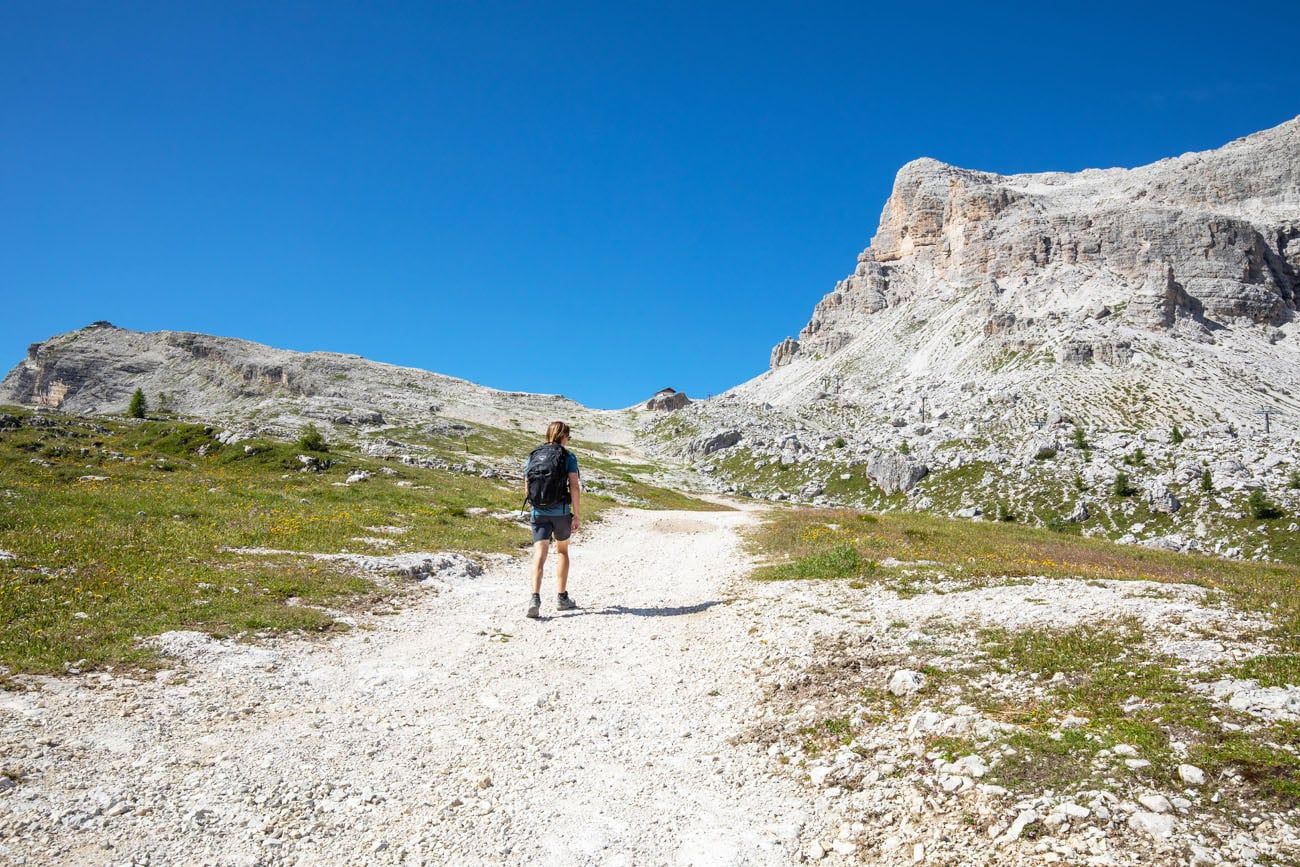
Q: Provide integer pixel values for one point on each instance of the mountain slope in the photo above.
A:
(96, 369)
(1074, 290)
(1089, 350)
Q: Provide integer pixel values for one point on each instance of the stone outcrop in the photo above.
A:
(667, 400)
(1212, 238)
(895, 473)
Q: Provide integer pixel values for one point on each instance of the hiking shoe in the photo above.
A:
(564, 603)
(534, 607)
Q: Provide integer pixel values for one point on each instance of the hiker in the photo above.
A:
(553, 487)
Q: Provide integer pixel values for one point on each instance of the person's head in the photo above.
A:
(558, 432)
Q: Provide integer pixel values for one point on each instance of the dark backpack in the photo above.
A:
(547, 475)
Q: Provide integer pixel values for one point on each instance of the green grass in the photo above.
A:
(826, 734)
(99, 563)
(841, 561)
(996, 550)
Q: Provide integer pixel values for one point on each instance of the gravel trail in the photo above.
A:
(453, 732)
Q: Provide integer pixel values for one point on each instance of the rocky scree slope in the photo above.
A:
(1046, 327)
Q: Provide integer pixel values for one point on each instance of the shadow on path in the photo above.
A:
(648, 612)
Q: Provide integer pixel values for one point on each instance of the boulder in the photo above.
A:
(895, 473)
(1161, 499)
(1038, 450)
(905, 682)
(667, 400)
(710, 443)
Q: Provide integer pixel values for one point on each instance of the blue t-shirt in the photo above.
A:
(563, 508)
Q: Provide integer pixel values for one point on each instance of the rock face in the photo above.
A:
(1008, 345)
(96, 369)
(973, 272)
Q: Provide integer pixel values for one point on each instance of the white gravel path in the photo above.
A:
(455, 732)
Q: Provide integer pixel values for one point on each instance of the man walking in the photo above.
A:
(553, 487)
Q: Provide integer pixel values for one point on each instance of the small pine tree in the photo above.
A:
(1294, 482)
(138, 405)
(839, 443)
(1176, 436)
(1122, 486)
(904, 448)
(1080, 439)
(1004, 514)
(1261, 508)
(312, 440)
(1207, 481)
(1137, 458)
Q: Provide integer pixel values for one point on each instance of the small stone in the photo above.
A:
(819, 775)
(1161, 827)
(844, 847)
(904, 682)
(918, 853)
(1191, 775)
(1124, 750)
(1074, 811)
(1017, 828)
(1136, 764)
(1155, 803)
(815, 851)
(971, 766)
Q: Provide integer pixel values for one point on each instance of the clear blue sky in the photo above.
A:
(595, 199)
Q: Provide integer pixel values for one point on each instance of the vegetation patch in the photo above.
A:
(120, 529)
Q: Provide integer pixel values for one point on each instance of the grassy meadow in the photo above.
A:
(118, 529)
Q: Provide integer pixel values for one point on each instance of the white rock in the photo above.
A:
(1018, 826)
(1124, 750)
(1136, 764)
(818, 775)
(844, 847)
(815, 851)
(971, 766)
(951, 782)
(1156, 825)
(1191, 775)
(905, 682)
(1155, 803)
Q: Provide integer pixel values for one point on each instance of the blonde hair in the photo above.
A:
(557, 431)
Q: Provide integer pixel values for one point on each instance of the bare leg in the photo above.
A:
(561, 566)
(539, 560)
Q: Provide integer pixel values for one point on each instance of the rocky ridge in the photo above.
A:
(251, 386)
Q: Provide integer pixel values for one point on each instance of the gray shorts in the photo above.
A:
(544, 526)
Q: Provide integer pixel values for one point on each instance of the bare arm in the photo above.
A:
(575, 493)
